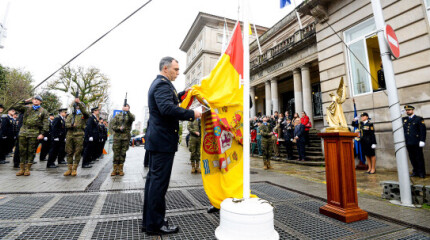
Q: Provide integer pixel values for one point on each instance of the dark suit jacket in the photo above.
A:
(299, 131)
(7, 127)
(92, 129)
(415, 130)
(58, 129)
(163, 125)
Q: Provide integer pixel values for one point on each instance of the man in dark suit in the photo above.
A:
(46, 141)
(58, 137)
(161, 144)
(300, 139)
(6, 134)
(415, 137)
(92, 138)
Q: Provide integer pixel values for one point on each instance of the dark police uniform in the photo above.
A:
(415, 132)
(91, 131)
(161, 144)
(58, 143)
(367, 137)
(288, 135)
(6, 137)
(46, 144)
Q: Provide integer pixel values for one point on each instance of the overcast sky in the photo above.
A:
(44, 34)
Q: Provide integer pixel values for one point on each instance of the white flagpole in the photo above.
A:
(246, 132)
(297, 14)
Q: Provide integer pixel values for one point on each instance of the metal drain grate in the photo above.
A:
(120, 203)
(5, 231)
(274, 193)
(65, 231)
(193, 226)
(200, 195)
(312, 227)
(310, 206)
(122, 229)
(101, 177)
(72, 206)
(415, 237)
(284, 235)
(177, 200)
(22, 207)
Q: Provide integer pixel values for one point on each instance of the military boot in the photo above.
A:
(74, 170)
(268, 165)
(69, 171)
(198, 168)
(265, 165)
(21, 169)
(193, 167)
(114, 170)
(27, 169)
(121, 170)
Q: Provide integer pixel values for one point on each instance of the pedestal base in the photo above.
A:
(344, 215)
(249, 219)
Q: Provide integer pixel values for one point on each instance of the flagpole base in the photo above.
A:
(249, 219)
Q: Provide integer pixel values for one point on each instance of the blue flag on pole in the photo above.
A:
(285, 3)
(357, 144)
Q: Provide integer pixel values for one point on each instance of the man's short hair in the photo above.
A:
(166, 61)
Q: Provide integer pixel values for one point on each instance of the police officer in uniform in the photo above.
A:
(415, 137)
(92, 137)
(101, 145)
(161, 144)
(194, 144)
(58, 137)
(75, 124)
(288, 137)
(6, 134)
(368, 140)
(34, 128)
(46, 141)
(121, 126)
(266, 142)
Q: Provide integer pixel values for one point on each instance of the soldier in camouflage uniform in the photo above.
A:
(266, 142)
(195, 130)
(75, 125)
(121, 126)
(35, 126)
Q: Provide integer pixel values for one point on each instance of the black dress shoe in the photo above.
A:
(52, 166)
(42, 160)
(62, 162)
(6, 161)
(413, 175)
(34, 162)
(422, 176)
(164, 230)
(2, 162)
(87, 166)
(15, 166)
(213, 209)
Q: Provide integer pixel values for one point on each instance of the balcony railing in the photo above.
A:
(283, 46)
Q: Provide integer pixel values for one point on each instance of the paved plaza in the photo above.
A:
(94, 205)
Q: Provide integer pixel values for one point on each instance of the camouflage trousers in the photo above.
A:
(74, 148)
(120, 148)
(194, 146)
(27, 148)
(267, 147)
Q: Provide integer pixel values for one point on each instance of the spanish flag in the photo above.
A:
(222, 127)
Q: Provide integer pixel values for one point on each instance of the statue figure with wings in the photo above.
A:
(335, 116)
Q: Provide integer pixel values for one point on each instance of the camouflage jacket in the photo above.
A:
(125, 121)
(35, 122)
(193, 127)
(80, 121)
(265, 131)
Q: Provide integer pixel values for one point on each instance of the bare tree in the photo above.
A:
(93, 85)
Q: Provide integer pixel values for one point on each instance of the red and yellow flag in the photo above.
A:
(222, 127)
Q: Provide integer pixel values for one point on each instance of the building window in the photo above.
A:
(427, 5)
(364, 58)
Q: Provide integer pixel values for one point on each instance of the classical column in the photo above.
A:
(268, 99)
(307, 92)
(297, 91)
(252, 94)
(274, 90)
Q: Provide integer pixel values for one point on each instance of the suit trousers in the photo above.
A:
(416, 157)
(89, 152)
(46, 148)
(301, 149)
(56, 149)
(157, 182)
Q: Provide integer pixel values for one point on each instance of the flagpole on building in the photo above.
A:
(246, 131)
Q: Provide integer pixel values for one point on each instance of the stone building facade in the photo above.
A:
(347, 47)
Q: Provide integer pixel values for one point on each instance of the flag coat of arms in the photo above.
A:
(222, 127)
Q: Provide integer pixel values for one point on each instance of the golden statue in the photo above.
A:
(335, 116)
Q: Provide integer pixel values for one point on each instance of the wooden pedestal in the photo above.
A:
(342, 202)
